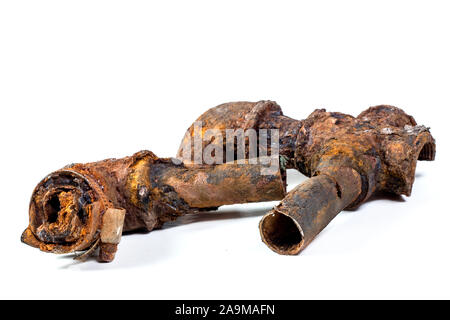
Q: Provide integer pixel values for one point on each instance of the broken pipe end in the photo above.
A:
(281, 233)
(308, 209)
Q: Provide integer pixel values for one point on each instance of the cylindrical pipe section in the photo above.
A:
(68, 208)
(308, 209)
(213, 186)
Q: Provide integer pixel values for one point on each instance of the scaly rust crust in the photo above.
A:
(67, 208)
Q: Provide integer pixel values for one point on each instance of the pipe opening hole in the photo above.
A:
(53, 206)
(62, 223)
(427, 152)
(281, 233)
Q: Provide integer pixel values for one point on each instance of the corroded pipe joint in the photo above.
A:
(383, 143)
(348, 159)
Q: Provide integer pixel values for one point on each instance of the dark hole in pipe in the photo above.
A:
(281, 233)
(427, 152)
(53, 207)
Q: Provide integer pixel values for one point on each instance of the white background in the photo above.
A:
(115, 77)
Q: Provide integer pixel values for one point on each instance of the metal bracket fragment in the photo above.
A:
(112, 226)
(111, 233)
(86, 254)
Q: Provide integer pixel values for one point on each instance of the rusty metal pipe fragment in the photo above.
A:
(86, 205)
(308, 209)
(348, 159)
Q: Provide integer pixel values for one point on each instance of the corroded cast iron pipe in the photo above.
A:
(308, 209)
(347, 158)
(85, 205)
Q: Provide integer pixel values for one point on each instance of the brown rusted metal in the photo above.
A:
(83, 205)
(308, 209)
(244, 115)
(347, 158)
